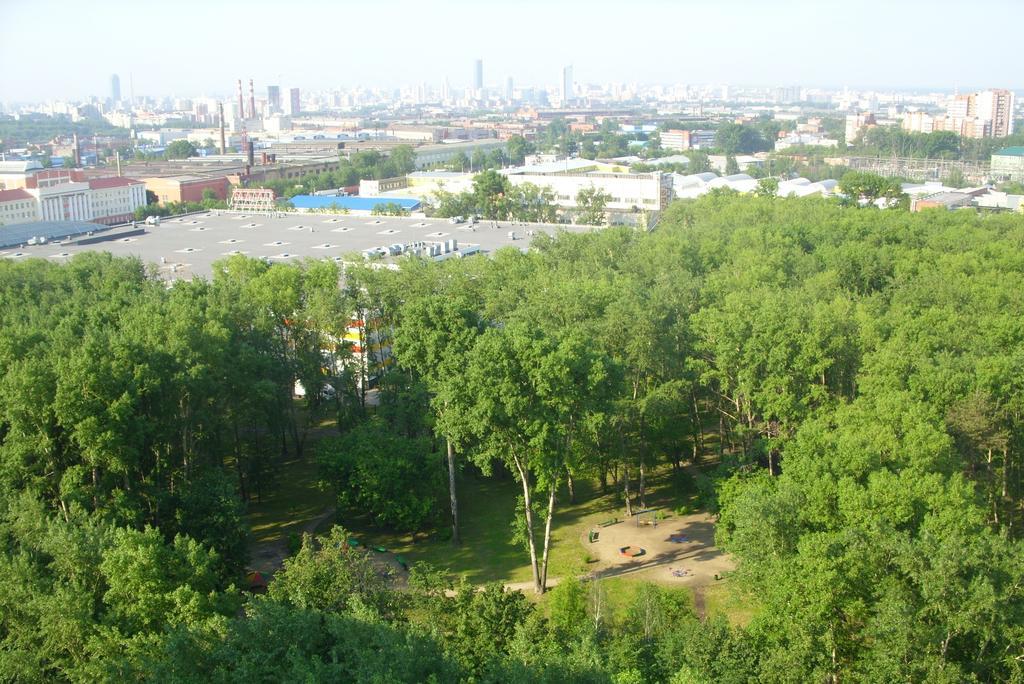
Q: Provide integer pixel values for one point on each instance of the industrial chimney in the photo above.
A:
(78, 151)
(220, 113)
(252, 101)
(251, 153)
(241, 104)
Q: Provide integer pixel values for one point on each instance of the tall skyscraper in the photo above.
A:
(478, 75)
(115, 88)
(508, 89)
(274, 98)
(567, 85)
(293, 100)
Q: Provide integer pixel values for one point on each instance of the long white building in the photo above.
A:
(630, 193)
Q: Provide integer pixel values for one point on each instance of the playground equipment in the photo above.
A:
(678, 538)
(648, 516)
(631, 551)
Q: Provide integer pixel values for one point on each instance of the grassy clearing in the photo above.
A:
(486, 510)
(293, 498)
(728, 600)
(290, 503)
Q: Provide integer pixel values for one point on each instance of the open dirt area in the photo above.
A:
(679, 550)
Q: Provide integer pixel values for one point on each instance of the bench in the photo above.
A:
(593, 536)
(607, 523)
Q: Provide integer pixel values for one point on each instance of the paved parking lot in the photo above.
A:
(189, 245)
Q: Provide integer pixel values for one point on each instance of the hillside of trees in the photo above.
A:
(849, 382)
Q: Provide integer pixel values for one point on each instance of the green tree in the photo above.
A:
(331, 576)
(590, 204)
(734, 138)
(767, 187)
(180, 149)
(404, 159)
(533, 204)
(868, 187)
(526, 398)
(518, 148)
(389, 209)
(490, 193)
(433, 339)
(393, 478)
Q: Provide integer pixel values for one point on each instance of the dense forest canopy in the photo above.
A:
(862, 371)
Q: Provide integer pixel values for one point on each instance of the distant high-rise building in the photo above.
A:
(567, 85)
(274, 98)
(115, 88)
(478, 75)
(995, 106)
(446, 91)
(786, 94)
(293, 99)
(988, 114)
(508, 89)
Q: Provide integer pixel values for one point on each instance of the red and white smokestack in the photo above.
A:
(252, 101)
(241, 103)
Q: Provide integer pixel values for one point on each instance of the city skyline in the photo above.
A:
(744, 44)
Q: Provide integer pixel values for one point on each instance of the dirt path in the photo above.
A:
(268, 557)
(699, 606)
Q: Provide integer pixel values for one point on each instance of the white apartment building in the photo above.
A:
(114, 200)
(995, 106)
(63, 202)
(17, 206)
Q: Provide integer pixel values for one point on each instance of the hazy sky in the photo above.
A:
(69, 48)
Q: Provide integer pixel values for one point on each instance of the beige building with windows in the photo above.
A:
(630, 193)
(17, 206)
(68, 195)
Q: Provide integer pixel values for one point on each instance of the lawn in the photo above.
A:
(292, 499)
(486, 508)
(289, 504)
(728, 600)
